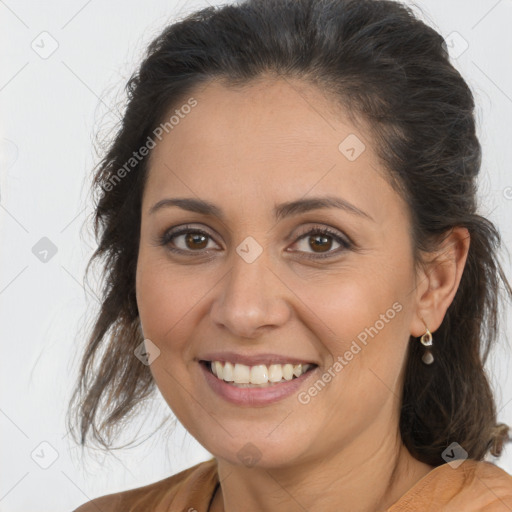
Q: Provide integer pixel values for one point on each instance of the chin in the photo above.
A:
(260, 452)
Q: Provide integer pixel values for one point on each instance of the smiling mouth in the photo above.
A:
(243, 376)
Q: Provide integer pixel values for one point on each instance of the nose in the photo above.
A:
(251, 299)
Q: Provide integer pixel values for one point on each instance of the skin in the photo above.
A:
(245, 150)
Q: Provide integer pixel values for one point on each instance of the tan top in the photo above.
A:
(471, 487)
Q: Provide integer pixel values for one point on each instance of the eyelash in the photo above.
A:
(345, 243)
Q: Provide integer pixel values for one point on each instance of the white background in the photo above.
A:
(51, 110)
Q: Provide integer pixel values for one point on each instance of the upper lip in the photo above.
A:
(253, 360)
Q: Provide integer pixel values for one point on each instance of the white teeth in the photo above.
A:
(288, 371)
(218, 369)
(259, 374)
(241, 374)
(275, 372)
(228, 372)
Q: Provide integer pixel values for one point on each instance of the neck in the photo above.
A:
(370, 475)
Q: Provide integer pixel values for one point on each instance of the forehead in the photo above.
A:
(281, 114)
(279, 136)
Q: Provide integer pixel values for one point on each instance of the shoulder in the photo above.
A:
(472, 486)
(194, 483)
(493, 484)
(483, 475)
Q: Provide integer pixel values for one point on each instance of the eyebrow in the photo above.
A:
(280, 211)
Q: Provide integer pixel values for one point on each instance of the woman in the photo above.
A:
(293, 256)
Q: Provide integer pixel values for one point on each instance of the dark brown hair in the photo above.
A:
(385, 67)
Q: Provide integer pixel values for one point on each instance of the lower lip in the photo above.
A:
(254, 396)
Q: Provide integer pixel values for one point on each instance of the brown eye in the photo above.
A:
(196, 240)
(186, 240)
(320, 242)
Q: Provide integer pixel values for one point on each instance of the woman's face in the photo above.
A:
(259, 288)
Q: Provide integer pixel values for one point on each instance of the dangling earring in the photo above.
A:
(426, 340)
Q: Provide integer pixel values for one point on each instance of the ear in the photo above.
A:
(438, 281)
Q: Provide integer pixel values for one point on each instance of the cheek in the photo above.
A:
(166, 301)
(369, 323)
(363, 317)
